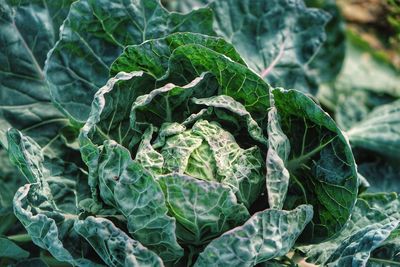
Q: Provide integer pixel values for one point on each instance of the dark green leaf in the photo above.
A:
(28, 30)
(114, 246)
(48, 206)
(9, 249)
(321, 164)
(374, 218)
(95, 33)
(266, 235)
(379, 131)
(203, 209)
(128, 187)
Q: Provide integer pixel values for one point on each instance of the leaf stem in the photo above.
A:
(389, 262)
(21, 238)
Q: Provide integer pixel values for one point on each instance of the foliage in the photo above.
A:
(137, 136)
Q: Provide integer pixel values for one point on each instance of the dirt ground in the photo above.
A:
(377, 22)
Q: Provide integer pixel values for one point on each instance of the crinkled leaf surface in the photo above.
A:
(266, 235)
(374, 219)
(114, 246)
(276, 38)
(180, 58)
(95, 33)
(203, 209)
(277, 176)
(321, 165)
(127, 186)
(48, 205)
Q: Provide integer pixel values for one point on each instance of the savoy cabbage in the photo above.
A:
(193, 134)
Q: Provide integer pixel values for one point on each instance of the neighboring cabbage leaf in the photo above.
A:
(379, 131)
(10, 250)
(277, 38)
(321, 164)
(266, 235)
(373, 226)
(376, 168)
(328, 61)
(28, 30)
(95, 33)
(365, 82)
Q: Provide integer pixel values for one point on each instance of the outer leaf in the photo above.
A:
(374, 218)
(48, 206)
(128, 187)
(329, 59)
(143, 57)
(114, 246)
(203, 209)
(379, 131)
(378, 168)
(276, 38)
(321, 165)
(277, 177)
(28, 29)
(94, 34)
(266, 235)
(49, 228)
(9, 249)
(365, 79)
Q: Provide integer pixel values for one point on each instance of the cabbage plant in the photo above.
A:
(179, 145)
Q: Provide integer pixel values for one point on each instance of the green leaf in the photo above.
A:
(185, 6)
(241, 169)
(28, 30)
(276, 38)
(374, 218)
(365, 79)
(143, 57)
(377, 168)
(379, 131)
(181, 58)
(329, 60)
(266, 235)
(93, 36)
(9, 249)
(228, 103)
(132, 190)
(203, 209)
(277, 177)
(48, 206)
(321, 164)
(114, 246)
